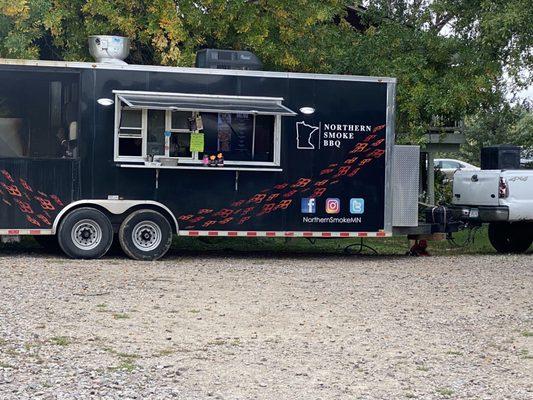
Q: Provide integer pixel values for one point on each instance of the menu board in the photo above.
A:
(197, 142)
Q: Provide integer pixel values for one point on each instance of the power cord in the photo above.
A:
(470, 239)
(348, 249)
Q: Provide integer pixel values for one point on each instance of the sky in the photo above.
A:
(527, 93)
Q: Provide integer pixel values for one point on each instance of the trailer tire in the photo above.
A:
(85, 233)
(508, 237)
(145, 235)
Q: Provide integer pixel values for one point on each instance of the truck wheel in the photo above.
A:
(145, 235)
(85, 233)
(510, 238)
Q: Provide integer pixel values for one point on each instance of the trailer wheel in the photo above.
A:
(145, 235)
(85, 233)
(510, 238)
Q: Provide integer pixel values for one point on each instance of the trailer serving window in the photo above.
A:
(246, 130)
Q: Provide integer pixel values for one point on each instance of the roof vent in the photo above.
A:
(227, 59)
(109, 49)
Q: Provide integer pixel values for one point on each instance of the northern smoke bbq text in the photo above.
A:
(334, 134)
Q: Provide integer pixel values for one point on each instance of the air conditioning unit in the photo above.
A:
(500, 157)
(228, 59)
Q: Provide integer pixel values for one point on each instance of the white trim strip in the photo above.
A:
(114, 207)
(201, 168)
(11, 232)
(283, 234)
(208, 103)
(141, 93)
(198, 71)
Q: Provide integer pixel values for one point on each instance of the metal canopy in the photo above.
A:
(204, 103)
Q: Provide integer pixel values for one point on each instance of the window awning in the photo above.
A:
(204, 103)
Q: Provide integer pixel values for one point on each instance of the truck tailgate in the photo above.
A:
(478, 188)
(520, 195)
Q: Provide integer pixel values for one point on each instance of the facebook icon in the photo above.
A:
(308, 205)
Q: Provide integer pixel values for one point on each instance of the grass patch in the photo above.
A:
(454, 353)
(127, 361)
(446, 392)
(524, 354)
(3, 342)
(164, 353)
(217, 342)
(422, 368)
(120, 316)
(121, 354)
(194, 311)
(128, 356)
(270, 246)
(126, 365)
(60, 340)
(385, 246)
(527, 334)
(6, 365)
(410, 396)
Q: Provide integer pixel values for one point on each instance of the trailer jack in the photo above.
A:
(419, 248)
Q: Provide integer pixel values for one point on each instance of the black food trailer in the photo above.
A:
(90, 152)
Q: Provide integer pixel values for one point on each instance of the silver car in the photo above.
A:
(448, 166)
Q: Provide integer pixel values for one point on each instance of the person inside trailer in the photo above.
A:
(62, 143)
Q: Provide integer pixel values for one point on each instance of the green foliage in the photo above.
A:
(443, 188)
(449, 55)
(501, 124)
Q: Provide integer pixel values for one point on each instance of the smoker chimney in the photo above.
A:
(109, 49)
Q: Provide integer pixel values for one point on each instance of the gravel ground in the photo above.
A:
(267, 328)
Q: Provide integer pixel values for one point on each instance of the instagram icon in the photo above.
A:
(333, 206)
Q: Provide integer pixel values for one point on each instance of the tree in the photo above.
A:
(449, 55)
(502, 124)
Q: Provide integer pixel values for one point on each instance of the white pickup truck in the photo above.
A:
(504, 199)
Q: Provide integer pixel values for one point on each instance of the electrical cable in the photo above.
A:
(470, 239)
(361, 245)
